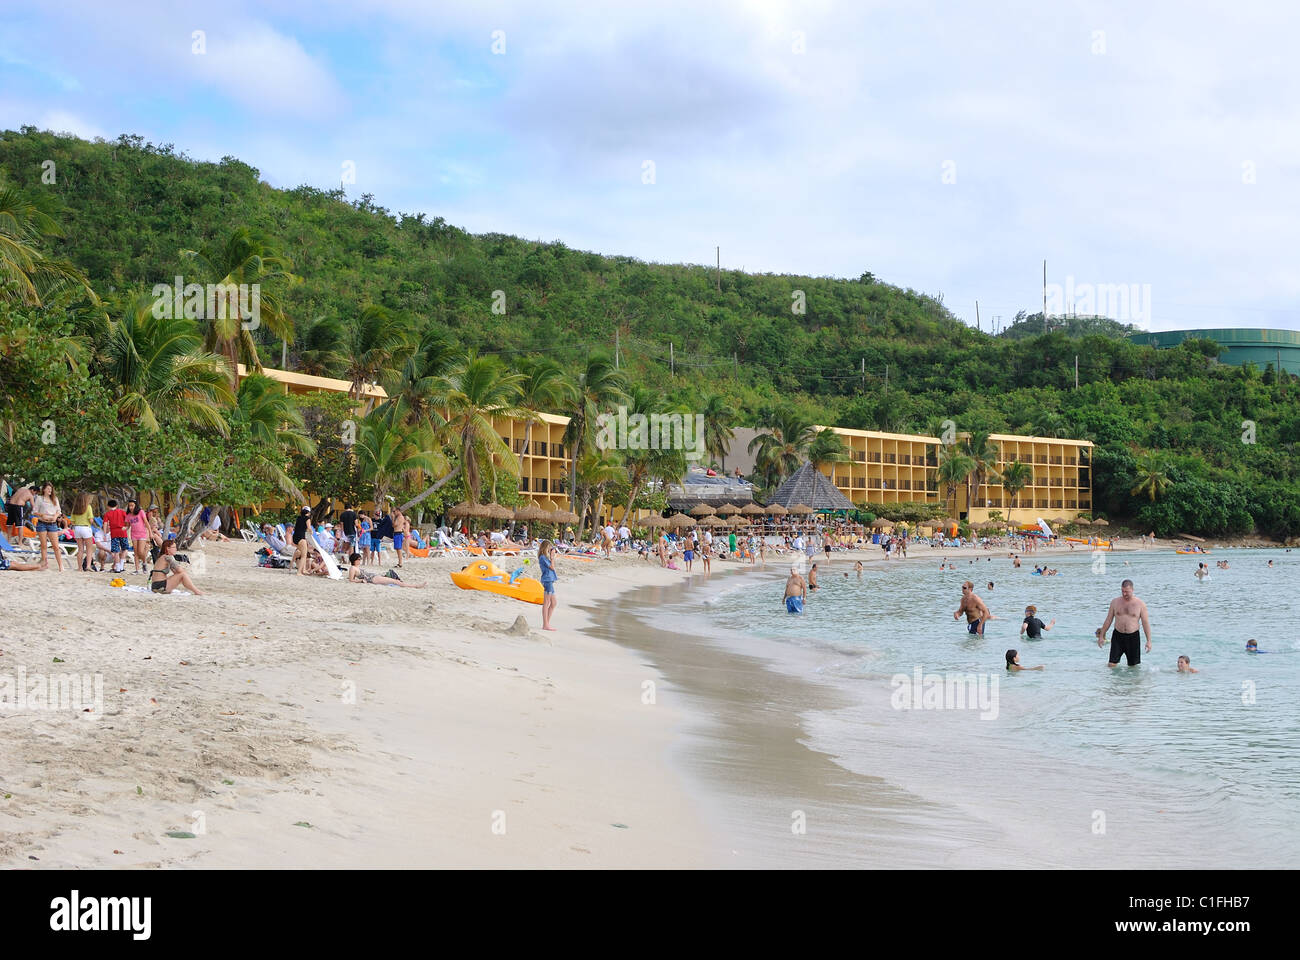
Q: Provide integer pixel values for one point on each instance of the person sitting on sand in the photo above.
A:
(168, 573)
(977, 614)
(1032, 627)
(796, 592)
(357, 575)
(1013, 663)
(18, 566)
(1185, 665)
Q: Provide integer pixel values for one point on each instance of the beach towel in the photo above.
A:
(794, 604)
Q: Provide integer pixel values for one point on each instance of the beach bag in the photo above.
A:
(392, 575)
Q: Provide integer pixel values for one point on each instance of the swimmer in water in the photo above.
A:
(1253, 647)
(1032, 627)
(812, 577)
(1128, 613)
(796, 592)
(1016, 562)
(990, 586)
(1185, 665)
(977, 613)
(1013, 662)
(1202, 571)
(1270, 563)
(858, 567)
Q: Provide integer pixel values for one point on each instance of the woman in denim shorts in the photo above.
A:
(45, 511)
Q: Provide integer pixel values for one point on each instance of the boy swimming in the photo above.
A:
(1013, 662)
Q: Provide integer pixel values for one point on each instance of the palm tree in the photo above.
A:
(160, 372)
(1152, 477)
(242, 259)
(643, 463)
(600, 385)
(475, 391)
(596, 471)
(375, 342)
(955, 469)
(276, 427)
(827, 447)
(388, 451)
(718, 416)
(543, 387)
(782, 449)
(412, 389)
(27, 276)
(1015, 477)
(984, 453)
(320, 347)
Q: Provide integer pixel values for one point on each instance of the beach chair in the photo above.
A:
(250, 533)
(10, 548)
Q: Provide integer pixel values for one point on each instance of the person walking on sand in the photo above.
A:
(546, 561)
(796, 592)
(688, 554)
(704, 554)
(977, 614)
(1127, 612)
(302, 544)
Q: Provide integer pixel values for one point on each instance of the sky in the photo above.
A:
(1149, 152)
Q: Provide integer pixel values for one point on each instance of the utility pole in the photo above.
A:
(864, 373)
(616, 348)
(719, 250)
(1076, 371)
(1044, 295)
(284, 354)
(672, 361)
(886, 379)
(977, 314)
(735, 366)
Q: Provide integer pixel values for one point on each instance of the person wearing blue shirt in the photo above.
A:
(546, 561)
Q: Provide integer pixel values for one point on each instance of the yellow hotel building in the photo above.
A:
(541, 471)
(898, 467)
(883, 467)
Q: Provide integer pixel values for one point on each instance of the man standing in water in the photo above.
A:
(796, 591)
(977, 614)
(1127, 612)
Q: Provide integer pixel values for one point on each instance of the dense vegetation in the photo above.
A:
(408, 301)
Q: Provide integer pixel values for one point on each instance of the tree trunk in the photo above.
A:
(636, 488)
(430, 491)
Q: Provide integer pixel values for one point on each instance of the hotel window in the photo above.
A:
(541, 447)
(1042, 504)
(523, 483)
(517, 445)
(874, 457)
(859, 482)
(542, 484)
(1071, 504)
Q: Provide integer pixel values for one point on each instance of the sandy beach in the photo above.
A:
(295, 722)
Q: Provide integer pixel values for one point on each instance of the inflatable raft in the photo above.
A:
(482, 575)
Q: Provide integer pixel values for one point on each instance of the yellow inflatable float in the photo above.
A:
(482, 575)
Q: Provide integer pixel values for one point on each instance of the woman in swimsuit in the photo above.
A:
(168, 573)
(357, 575)
(139, 527)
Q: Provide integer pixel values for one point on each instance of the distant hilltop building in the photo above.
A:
(1241, 345)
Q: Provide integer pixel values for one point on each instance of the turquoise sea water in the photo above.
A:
(1081, 765)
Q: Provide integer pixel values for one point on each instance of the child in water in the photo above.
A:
(1013, 662)
(1185, 665)
(1253, 647)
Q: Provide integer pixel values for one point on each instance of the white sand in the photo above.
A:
(226, 716)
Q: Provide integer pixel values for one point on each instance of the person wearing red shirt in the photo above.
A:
(118, 532)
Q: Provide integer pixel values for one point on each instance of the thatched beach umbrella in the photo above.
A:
(531, 512)
(753, 510)
(499, 512)
(654, 520)
(775, 510)
(801, 509)
(680, 520)
(702, 510)
(880, 523)
(1100, 522)
(714, 522)
(729, 509)
(469, 510)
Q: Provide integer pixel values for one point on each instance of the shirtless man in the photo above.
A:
(1126, 612)
(796, 592)
(977, 614)
(15, 508)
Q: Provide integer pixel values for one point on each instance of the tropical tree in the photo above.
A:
(27, 275)
(600, 385)
(827, 447)
(718, 415)
(596, 471)
(543, 387)
(160, 371)
(413, 389)
(242, 260)
(955, 469)
(375, 343)
(984, 453)
(277, 430)
(1015, 477)
(388, 452)
(782, 448)
(1152, 477)
(319, 347)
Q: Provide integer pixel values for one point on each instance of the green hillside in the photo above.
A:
(127, 210)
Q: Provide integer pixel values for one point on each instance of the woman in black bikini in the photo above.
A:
(168, 573)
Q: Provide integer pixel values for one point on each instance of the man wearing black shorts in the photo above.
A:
(1127, 612)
